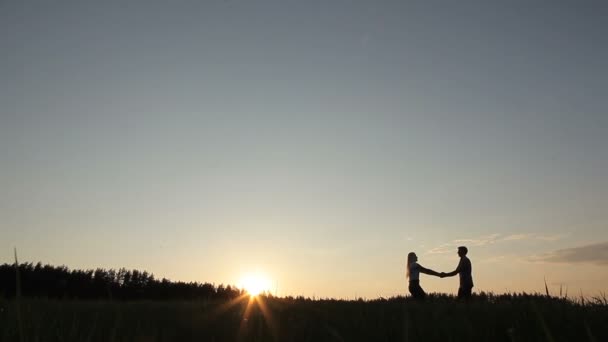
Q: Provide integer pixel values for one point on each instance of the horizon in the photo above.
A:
(313, 143)
(554, 290)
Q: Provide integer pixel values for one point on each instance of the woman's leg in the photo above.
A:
(416, 291)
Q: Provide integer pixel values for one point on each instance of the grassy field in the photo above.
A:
(440, 318)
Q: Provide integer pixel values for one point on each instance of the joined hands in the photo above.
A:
(442, 275)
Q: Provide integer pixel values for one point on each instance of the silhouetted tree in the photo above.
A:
(59, 282)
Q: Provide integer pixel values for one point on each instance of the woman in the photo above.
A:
(413, 273)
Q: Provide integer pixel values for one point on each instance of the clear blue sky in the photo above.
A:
(317, 142)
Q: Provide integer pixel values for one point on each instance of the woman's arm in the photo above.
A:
(428, 271)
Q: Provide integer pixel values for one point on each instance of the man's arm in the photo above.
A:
(454, 272)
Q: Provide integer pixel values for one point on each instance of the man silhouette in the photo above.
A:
(464, 269)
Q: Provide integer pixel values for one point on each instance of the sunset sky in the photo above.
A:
(315, 142)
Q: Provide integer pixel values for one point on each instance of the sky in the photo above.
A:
(315, 142)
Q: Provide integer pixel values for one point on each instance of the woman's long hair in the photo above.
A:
(410, 260)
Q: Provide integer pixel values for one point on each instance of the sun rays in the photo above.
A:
(250, 305)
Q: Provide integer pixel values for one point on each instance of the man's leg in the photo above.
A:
(464, 292)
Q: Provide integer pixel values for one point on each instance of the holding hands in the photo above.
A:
(442, 275)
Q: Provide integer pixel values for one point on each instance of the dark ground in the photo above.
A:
(440, 318)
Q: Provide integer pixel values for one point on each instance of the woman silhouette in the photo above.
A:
(413, 271)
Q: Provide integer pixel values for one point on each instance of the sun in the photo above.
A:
(255, 284)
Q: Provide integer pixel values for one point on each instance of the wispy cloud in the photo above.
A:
(551, 237)
(496, 259)
(442, 249)
(480, 241)
(448, 247)
(515, 237)
(596, 253)
(540, 237)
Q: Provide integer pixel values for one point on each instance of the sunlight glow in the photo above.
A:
(255, 284)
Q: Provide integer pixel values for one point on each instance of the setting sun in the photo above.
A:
(255, 284)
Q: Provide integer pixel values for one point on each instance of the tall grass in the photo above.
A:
(487, 317)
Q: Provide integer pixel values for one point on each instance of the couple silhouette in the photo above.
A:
(463, 269)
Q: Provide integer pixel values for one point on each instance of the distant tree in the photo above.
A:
(49, 281)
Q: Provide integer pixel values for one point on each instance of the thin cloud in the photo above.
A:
(516, 237)
(551, 237)
(449, 247)
(495, 259)
(442, 249)
(596, 253)
(491, 239)
(481, 241)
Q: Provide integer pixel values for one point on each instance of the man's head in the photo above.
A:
(462, 251)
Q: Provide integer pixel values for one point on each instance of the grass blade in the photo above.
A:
(18, 298)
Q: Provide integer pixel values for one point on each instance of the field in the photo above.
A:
(266, 318)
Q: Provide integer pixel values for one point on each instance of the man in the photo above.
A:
(464, 269)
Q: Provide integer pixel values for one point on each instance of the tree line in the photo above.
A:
(47, 281)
